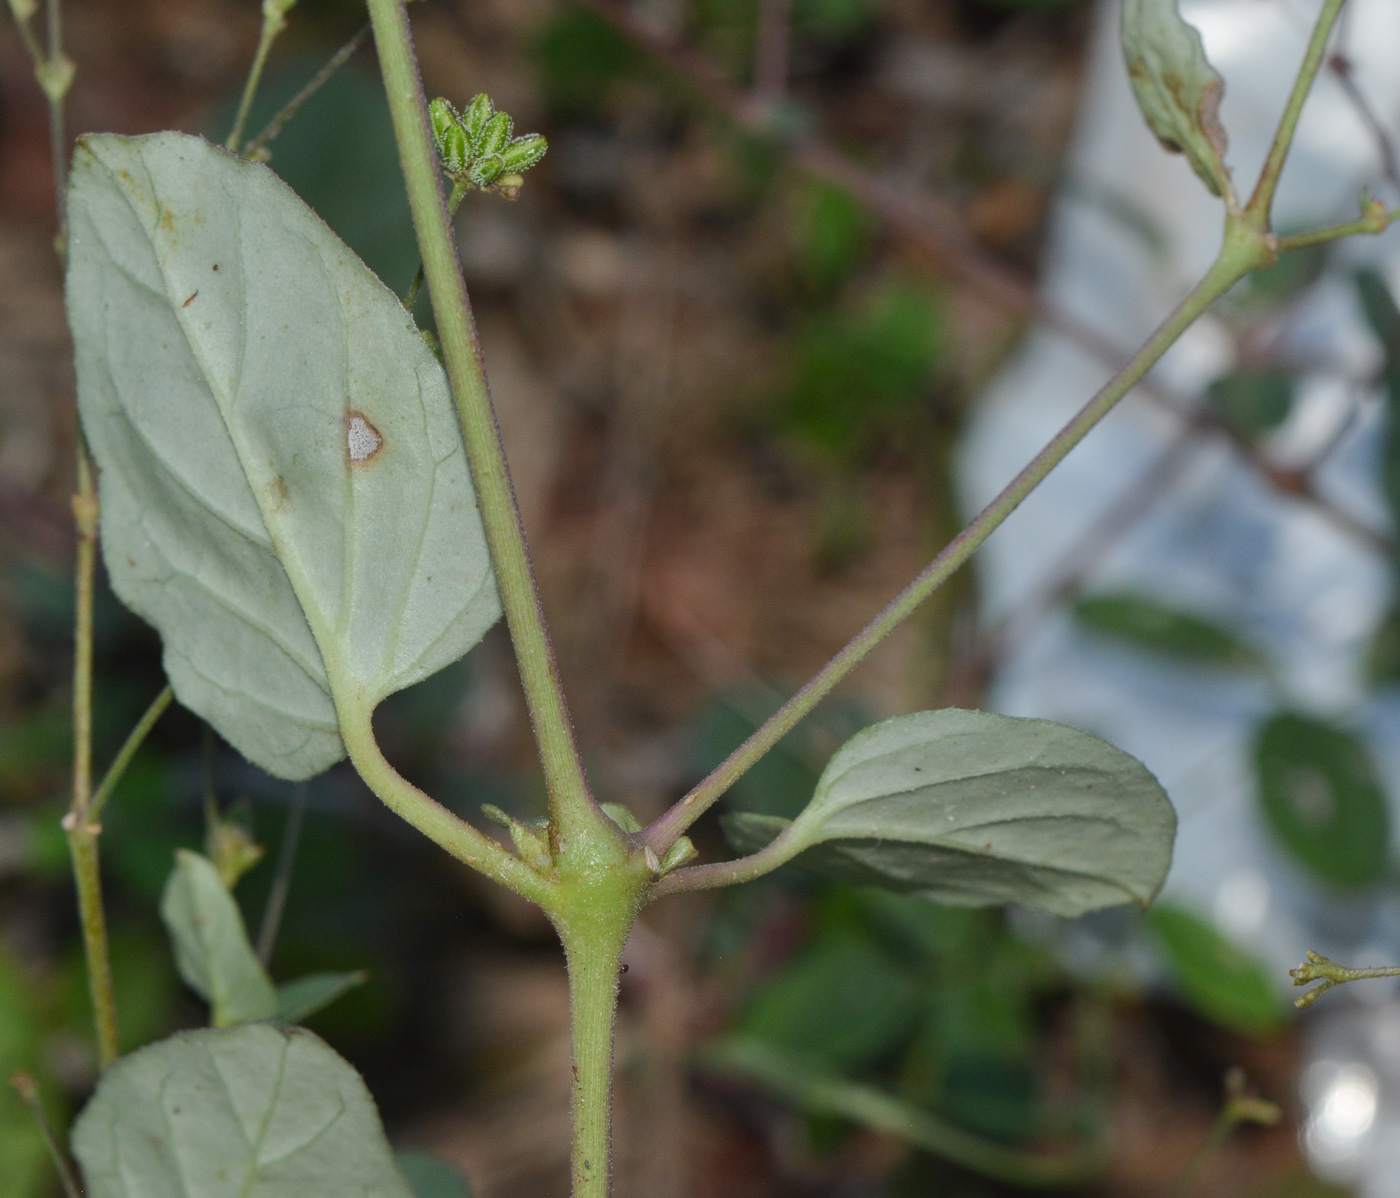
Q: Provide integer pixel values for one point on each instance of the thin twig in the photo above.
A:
(135, 738)
(319, 80)
(273, 22)
(282, 879)
(29, 1095)
(1317, 968)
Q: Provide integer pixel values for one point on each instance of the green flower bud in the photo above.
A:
(495, 137)
(453, 150)
(474, 118)
(524, 152)
(441, 116)
(484, 170)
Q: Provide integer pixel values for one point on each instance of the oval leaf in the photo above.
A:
(1320, 793)
(284, 491)
(1177, 89)
(211, 945)
(971, 810)
(255, 1111)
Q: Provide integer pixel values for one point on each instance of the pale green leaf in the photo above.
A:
(303, 997)
(256, 1111)
(211, 946)
(284, 491)
(1177, 89)
(430, 1177)
(972, 809)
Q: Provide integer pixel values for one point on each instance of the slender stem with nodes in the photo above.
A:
(319, 80)
(574, 814)
(134, 740)
(274, 21)
(1259, 211)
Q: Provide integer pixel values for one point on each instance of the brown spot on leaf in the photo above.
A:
(189, 301)
(363, 442)
(277, 492)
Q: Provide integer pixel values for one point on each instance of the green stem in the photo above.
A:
(1372, 222)
(438, 824)
(595, 962)
(574, 815)
(715, 874)
(1259, 211)
(1243, 251)
(134, 740)
(87, 873)
(29, 1095)
(1318, 968)
(315, 84)
(454, 201)
(274, 21)
(82, 829)
(1238, 1110)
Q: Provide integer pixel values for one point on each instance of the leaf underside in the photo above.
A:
(971, 809)
(1177, 89)
(255, 1111)
(284, 491)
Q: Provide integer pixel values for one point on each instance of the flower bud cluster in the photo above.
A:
(476, 148)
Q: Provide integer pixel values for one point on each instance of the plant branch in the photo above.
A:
(29, 1095)
(133, 742)
(81, 828)
(319, 80)
(716, 874)
(1341, 67)
(1241, 253)
(1260, 207)
(1375, 218)
(273, 22)
(436, 822)
(574, 814)
(1317, 968)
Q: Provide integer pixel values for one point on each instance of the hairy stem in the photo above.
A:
(574, 814)
(1259, 211)
(435, 821)
(1243, 251)
(595, 961)
(135, 738)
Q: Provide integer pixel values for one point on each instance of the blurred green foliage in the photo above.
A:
(1147, 624)
(940, 1005)
(1215, 976)
(1321, 795)
(1255, 400)
(861, 373)
(580, 57)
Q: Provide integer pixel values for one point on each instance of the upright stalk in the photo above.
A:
(1261, 203)
(79, 824)
(574, 816)
(595, 962)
